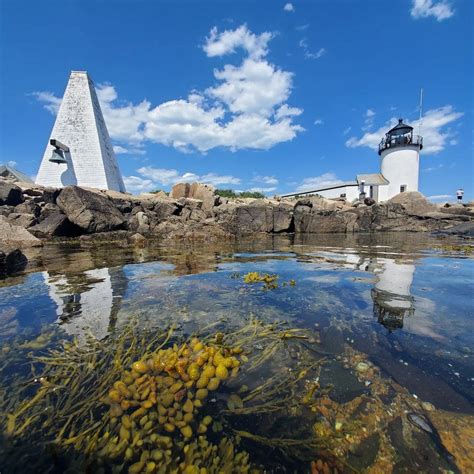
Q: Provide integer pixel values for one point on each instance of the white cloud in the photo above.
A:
(216, 180)
(50, 102)
(219, 44)
(265, 179)
(316, 182)
(289, 7)
(441, 10)
(302, 27)
(245, 108)
(11, 163)
(369, 120)
(433, 129)
(136, 185)
(285, 111)
(262, 190)
(303, 44)
(347, 130)
(120, 150)
(253, 87)
(318, 122)
(124, 123)
(440, 197)
(433, 168)
(152, 178)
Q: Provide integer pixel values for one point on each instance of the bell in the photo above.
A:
(58, 157)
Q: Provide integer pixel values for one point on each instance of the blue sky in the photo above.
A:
(263, 95)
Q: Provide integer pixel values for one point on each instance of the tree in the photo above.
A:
(231, 194)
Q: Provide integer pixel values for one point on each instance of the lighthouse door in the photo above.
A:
(374, 192)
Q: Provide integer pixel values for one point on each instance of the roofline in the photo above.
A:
(327, 188)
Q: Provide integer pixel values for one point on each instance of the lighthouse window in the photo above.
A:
(403, 188)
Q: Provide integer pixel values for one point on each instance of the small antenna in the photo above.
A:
(421, 111)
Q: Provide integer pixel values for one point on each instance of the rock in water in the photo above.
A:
(466, 229)
(421, 422)
(10, 194)
(90, 211)
(12, 261)
(138, 240)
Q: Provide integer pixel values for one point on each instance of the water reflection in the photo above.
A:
(87, 301)
(391, 295)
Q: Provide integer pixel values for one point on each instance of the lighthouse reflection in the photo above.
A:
(88, 302)
(88, 299)
(391, 294)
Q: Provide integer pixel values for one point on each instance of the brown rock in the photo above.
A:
(283, 217)
(10, 194)
(256, 216)
(205, 193)
(6, 210)
(322, 216)
(180, 190)
(138, 240)
(15, 236)
(23, 220)
(457, 434)
(414, 203)
(28, 207)
(90, 211)
(47, 210)
(160, 195)
(56, 224)
(164, 209)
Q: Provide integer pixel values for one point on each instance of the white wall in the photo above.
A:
(80, 126)
(400, 166)
(351, 192)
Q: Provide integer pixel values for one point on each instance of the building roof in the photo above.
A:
(322, 188)
(372, 179)
(6, 171)
(403, 127)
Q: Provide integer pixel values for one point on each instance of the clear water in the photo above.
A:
(401, 303)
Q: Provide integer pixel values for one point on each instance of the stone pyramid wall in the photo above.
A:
(80, 126)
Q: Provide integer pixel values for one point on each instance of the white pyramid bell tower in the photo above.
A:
(79, 151)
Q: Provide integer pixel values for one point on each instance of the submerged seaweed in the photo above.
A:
(139, 401)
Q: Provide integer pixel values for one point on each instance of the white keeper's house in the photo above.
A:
(399, 153)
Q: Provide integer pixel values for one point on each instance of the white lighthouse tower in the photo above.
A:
(399, 153)
(79, 151)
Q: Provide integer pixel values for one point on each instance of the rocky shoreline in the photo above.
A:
(31, 215)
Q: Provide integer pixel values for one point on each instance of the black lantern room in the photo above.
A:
(399, 136)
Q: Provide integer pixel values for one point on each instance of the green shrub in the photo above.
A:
(230, 194)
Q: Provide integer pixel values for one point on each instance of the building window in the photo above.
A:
(403, 188)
